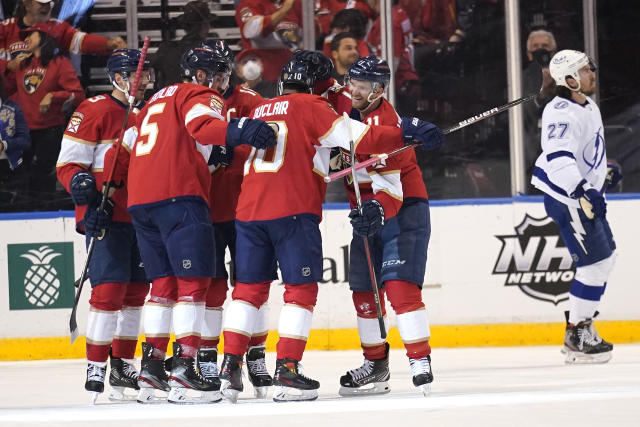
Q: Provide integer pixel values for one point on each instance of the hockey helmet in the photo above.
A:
(371, 69)
(321, 66)
(567, 63)
(124, 62)
(203, 58)
(221, 51)
(297, 72)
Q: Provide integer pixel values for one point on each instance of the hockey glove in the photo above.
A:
(427, 134)
(96, 220)
(254, 132)
(83, 188)
(594, 200)
(371, 220)
(221, 155)
(614, 176)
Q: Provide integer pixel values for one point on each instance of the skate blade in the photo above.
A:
(93, 396)
(118, 395)
(425, 389)
(290, 394)
(369, 389)
(182, 396)
(228, 393)
(147, 395)
(261, 392)
(578, 358)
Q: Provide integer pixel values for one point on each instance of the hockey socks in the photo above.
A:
(106, 300)
(295, 320)
(241, 315)
(413, 322)
(373, 346)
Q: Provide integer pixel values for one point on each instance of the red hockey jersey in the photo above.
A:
(166, 153)
(227, 180)
(92, 129)
(381, 181)
(288, 179)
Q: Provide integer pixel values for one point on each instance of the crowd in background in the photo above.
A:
(438, 45)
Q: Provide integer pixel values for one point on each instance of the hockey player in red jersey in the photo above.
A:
(119, 285)
(282, 225)
(169, 204)
(398, 241)
(226, 164)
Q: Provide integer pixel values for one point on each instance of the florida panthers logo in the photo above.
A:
(33, 78)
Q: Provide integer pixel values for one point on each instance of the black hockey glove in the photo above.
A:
(83, 188)
(97, 220)
(254, 132)
(427, 134)
(371, 220)
(614, 176)
(594, 199)
(221, 155)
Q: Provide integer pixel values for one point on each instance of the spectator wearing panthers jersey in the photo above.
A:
(44, 85)
(274, 27)
(34, 12)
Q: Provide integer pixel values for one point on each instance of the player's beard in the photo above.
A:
(590, 89)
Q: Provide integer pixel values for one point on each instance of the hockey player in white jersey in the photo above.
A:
(572, 172)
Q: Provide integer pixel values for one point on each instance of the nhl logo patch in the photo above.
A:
(74, 122)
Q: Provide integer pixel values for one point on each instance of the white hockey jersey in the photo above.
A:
(573, 149)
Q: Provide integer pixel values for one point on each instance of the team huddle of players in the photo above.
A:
(205, 166)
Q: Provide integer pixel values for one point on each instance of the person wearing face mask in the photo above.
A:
(541, 45)
(250, 70)
(32, 12)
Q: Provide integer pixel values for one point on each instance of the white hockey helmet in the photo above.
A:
(567, 63)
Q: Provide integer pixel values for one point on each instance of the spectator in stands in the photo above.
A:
(32, 12)
(541, 46)
(249, 68)
(274, 27)
(350, 21)
(196, 21)
(14, 139)
(44, 85)
(344, 52)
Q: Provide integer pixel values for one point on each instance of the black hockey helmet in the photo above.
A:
(124, 62)
(298, 73)
(203, 58)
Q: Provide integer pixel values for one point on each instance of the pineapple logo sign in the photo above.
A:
(40, 275)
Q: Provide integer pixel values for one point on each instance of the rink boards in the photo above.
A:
(497, 274)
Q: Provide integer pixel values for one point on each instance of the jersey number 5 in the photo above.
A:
(271, 159)
(149, 129)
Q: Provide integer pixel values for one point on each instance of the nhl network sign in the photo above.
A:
(536, 260)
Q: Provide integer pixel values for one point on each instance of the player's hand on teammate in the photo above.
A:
(254, 132)
(96, 220)
(428, 135)
(614, 176)
(371, 220)
(221, 155)
(83, 188)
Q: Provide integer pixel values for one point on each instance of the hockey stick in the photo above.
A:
(365, 239)
(73, 324)
(478, 117)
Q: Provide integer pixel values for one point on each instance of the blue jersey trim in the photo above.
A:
(560, 154)
(542, 176)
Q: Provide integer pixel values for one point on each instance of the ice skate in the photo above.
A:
(122, 376)
(208, 362)
(582, 344)
(258, 375)
(152, 376)
(231, 377)
(95, 379)
(371, 378)
(291, 384)
(188, 385)
(422, 375)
